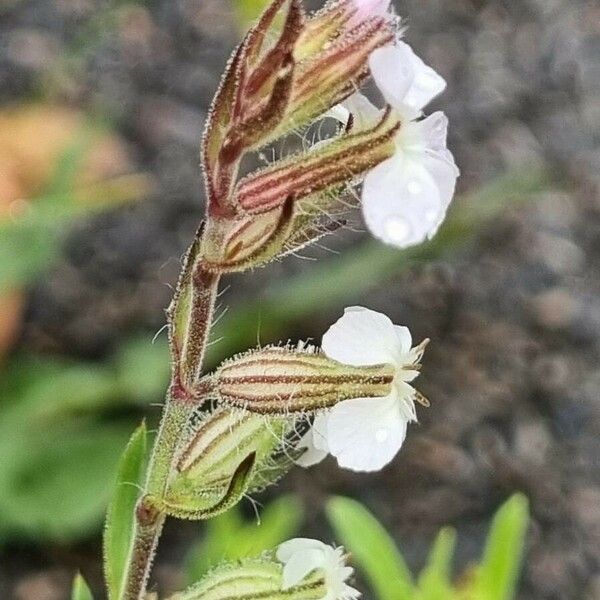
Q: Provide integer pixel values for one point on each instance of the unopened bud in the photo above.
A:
(301, 569)
(228, 453)
(280, 380)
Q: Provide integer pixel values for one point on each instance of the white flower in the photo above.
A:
(301, 556)
(364, 434)
(405, 198)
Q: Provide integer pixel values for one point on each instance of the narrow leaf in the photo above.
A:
(119, 520)
(372, 549)
(503, 554)
(435, 579)
(80, 590)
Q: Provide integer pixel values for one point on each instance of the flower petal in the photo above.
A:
(426, 84)
(434, 131)
(285, 550)
(365, 434)
(393, 72)
(438, 160)
(404, 338)
(401, 202)
(319, 432)
(300, 556)
(405, 81)
(445, 175)
(364, 113)
(361, 337)
(312, 455)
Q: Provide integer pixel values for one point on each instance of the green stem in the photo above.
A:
(179, 405)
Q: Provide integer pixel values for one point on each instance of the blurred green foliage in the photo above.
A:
(80, 590)
(379, 560)
(63, 425)
(30, 242)
(230, 536)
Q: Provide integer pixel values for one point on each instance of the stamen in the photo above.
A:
(422, 400)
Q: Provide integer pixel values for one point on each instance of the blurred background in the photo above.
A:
(102, 105)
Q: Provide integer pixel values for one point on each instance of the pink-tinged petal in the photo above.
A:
(361, 337)
(365, 434)
(393, 71)
(368, 8)
(426, 83)
(401, 202)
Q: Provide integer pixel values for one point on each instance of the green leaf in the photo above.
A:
(372, 549)
(80, 590)
(119, 520)
(499, 570)
(230, 537)
(142, 368)
(54, 476)
(435, 580)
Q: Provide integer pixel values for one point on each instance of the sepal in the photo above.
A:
(282, 381)
(305, 175)
(249, 579)
(227, 454)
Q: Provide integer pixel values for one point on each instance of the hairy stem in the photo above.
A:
(179, 405)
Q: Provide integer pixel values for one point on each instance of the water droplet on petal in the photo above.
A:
(381, 435)
(414, 187)
(397, 229)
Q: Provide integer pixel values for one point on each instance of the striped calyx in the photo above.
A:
(253, 579)
(228, 453)
(282, 380)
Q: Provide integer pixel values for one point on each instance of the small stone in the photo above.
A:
(554, 309)
(47, 585)
(532, 440)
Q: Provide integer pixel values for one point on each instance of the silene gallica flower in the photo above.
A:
(364, 434)
(289, 80)
(299, 569)
(302, 556)
(405, 198)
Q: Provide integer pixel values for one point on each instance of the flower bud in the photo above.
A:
(280, 380)
(304, 175)
(301, 569)
(228, 453)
